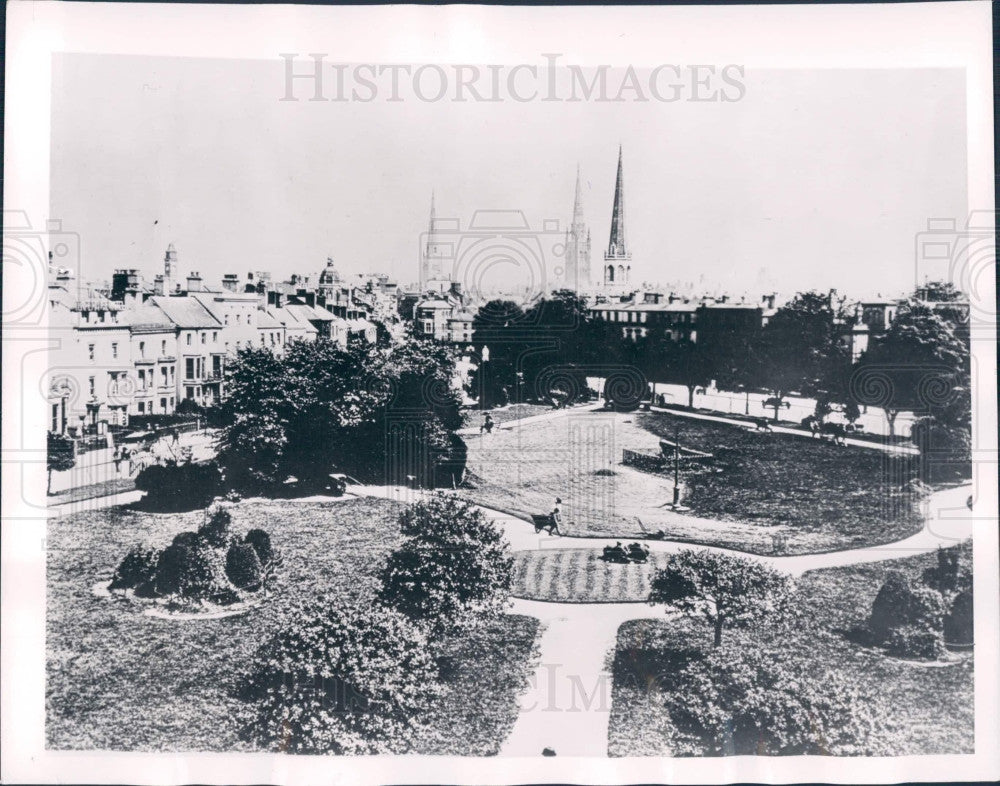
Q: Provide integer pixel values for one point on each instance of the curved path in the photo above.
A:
(567, 704)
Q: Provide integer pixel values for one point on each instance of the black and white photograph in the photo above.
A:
(461, 394)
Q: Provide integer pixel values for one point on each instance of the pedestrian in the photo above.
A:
(487, 424)
(118, 460)
(556, 516)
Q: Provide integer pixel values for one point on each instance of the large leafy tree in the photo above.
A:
(920, 364)
(723, 590)
(356, 409)
(799, 350)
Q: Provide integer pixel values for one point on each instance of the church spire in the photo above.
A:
(578, 200)
(616, 243)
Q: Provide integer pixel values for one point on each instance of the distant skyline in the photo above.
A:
(815, 179)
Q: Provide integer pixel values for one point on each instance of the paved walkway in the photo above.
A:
(567, 705)
(518, 422)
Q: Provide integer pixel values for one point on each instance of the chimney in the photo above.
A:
(194, 282)
(159, 285)
(230, 281)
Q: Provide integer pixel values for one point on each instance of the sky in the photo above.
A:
(815, 179)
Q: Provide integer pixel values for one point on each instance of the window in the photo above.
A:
(90, 351)
(163, 405)
(142, 407)
(142, 379)
(189, 339)
(114, 349)
(163, 376)
(171, 374)
(262, 339)
(204, 337)
(189, 369)
(91, 385)
(216, 366)
(171, 401)
(55, 418)
(215, 336)
(163, 348)
(227, 319)
(142, 349)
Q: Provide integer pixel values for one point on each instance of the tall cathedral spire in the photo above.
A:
(576, 267)
(616, 243)
(578, 200)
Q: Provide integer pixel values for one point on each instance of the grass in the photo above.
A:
(581, 576)
(119, 680)
(933, 710)
(817, 496)
(94, 490)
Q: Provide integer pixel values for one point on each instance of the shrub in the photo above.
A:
(185, 571)
(912, 641)
(350, 681)
(958, 625)
(261, 543)
(138, 567)
(455, 569)
(949, 575)
(908, 620)
(889, 610)
(243, 567)
(217, 528)
(769, 700)
(192, 540)
(446, 517)
(173, 486)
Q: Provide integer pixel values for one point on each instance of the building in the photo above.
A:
(576, 261)
(672, 317)
(201, 348)
(617, 258)
(154, 361)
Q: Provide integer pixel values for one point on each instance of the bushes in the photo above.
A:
(958, 625)
(243, 567)
(208, 565)
(183, 570)
(174, 486)
(138, 567)
(453, 570)
(261, 543)
(769, 700)
(217, 529)
(349, 681)
(907, 620)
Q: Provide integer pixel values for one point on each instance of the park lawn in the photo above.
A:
(816, 496)
(120, 680)
(581, 576)
(932, 702)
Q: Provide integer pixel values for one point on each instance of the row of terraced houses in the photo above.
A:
(140, 349)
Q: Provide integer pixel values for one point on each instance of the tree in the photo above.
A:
(724, 590)
(690, 365)
(769, 699)
(453, 570)
(799, 350)
(60, 456)
(920, 364)
(357, 409)
(349, 680)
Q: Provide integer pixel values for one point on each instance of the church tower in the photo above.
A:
(618, 259)
(576, 263)
(432, 255)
